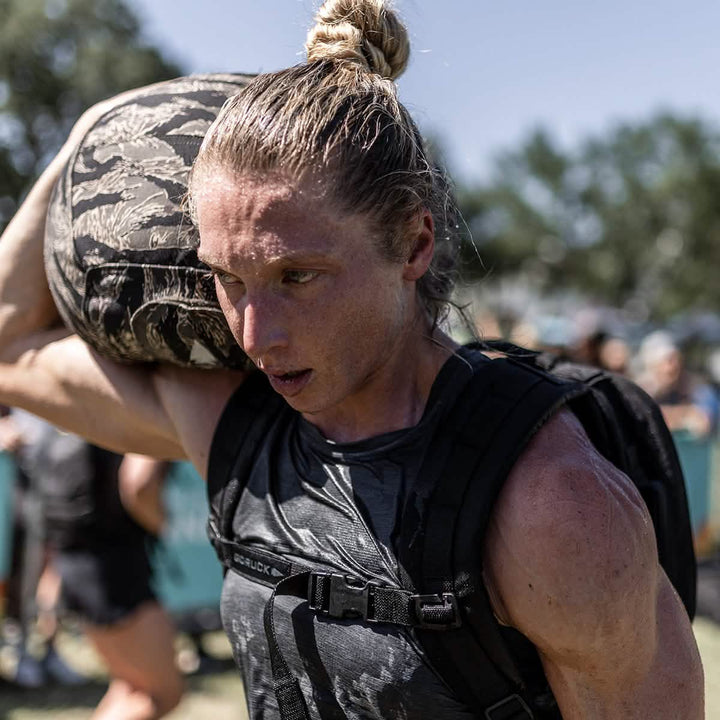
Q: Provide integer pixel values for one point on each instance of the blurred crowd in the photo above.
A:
(681, 375)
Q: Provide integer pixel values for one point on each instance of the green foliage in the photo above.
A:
(58, 57)
(631, 219)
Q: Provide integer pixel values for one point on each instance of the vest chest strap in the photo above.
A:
(339, 596)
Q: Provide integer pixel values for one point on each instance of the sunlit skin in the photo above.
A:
(570, 557)
(336, 326)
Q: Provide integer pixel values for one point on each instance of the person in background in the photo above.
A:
(614, 355)
(687, 403)
(140, 483)
(98, 556)
(30, 621)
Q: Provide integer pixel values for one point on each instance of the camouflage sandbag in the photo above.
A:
(119, 249)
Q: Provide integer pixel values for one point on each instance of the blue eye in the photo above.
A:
(226, 278)
(299, 277)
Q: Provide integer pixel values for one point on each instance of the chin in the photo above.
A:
(302, 405)
(309, 407)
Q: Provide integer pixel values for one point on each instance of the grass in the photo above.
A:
(219, 695)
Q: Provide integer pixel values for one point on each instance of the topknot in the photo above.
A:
(364, 32)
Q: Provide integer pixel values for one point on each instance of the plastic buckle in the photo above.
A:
(346, 600)
(445, 600)
(512, 707)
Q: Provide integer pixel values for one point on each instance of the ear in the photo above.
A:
(423, 246)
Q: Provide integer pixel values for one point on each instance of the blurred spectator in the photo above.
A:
(33, 585)
(614, 355)
(714, 368)
(686, 401)
(100, 555)
(596, 345)
(548, 333)
(588, 349)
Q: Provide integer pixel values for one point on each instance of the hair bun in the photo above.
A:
(364, 32)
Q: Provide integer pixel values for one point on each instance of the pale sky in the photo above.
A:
(483, 74)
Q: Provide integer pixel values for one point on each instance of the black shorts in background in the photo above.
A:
(105, 583)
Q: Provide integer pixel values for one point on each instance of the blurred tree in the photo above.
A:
(57, 57)
(631, 219)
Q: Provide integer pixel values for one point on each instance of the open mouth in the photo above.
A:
(291, 375)
(290, 383)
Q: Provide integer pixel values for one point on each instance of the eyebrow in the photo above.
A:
(211, 265)
(207, 261)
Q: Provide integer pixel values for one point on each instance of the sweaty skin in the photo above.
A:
(570, 555)
(333, 324)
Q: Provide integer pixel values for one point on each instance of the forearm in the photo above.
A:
(26, 304)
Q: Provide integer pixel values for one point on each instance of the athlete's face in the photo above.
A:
(305, 291)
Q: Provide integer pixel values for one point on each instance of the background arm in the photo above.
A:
(140, 480)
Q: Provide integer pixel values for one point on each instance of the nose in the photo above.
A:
(263, 327)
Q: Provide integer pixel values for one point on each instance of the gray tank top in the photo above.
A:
(335, 507)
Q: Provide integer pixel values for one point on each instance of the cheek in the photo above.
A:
(360, 316)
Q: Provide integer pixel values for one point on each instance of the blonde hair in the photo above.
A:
(338, 117)
(365, 33)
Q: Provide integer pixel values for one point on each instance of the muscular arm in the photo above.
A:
(26, 305)
(571, 563)
(25, 301)
(166, 412)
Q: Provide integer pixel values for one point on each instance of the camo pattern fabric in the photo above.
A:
(120, 252)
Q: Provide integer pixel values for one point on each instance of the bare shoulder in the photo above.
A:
(195, 400)
(569, 530)
(571, 562)
(572, 524)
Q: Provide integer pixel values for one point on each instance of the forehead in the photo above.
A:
(267, 218)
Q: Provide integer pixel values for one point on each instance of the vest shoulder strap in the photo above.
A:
(502, 407)
(243, 423)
